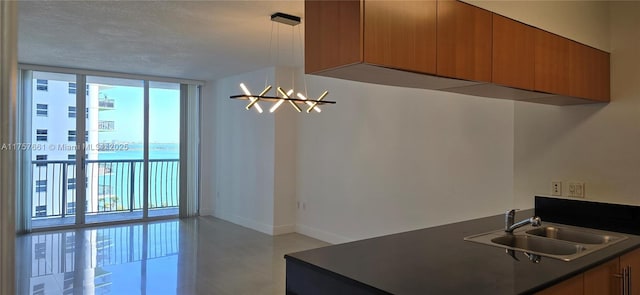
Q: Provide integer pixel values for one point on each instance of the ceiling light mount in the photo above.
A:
(286, 19)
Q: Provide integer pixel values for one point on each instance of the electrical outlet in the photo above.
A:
(576, 189)
(556, 188)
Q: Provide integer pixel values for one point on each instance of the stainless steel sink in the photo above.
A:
(537, 245)
(555, 241)
(572, 235)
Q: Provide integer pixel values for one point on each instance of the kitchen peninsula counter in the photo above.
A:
(434, 261)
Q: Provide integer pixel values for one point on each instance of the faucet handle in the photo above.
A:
(509, 218)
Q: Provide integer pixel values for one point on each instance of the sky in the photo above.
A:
(128, 114)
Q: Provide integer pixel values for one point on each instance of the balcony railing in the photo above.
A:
(111, 186)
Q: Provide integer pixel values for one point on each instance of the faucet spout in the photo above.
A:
(510, 226)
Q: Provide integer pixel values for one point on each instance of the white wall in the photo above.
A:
(285, 159)
(382, 160)
(597, 144)
(388, 159)
(243, 155)
(250, 179)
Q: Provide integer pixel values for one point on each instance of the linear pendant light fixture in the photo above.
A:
(280, 95)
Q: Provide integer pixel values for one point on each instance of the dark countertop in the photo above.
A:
(438, 261)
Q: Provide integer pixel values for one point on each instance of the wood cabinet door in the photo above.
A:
(604, 279)
(552, 68)
(632, 260)
(512, 55)
(400, 34)
(333, 34)
(589, 72)
(464, 41)
(572, 286)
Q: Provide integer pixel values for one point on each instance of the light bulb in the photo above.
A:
(276, 106)
(254, 100)
(315, 108)
(245, 90)
(317, 101)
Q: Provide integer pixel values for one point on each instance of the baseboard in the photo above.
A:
(322, 235)
(284, 229)
(246, 222)
(206, 212)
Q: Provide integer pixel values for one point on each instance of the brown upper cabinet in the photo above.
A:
(391, 33)
(566, 67)
(512, 55)
(552, 68)
(333, 36)
(589, 72)
(464, 41)
(401, 35)
(452, 46)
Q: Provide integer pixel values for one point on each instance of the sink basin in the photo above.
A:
(577, 236)
(537, 245)
(560, 242)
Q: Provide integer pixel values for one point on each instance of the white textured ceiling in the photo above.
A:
(202, 40)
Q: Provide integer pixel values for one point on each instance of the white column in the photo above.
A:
(8, 91)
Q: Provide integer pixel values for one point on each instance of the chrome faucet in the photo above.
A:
(510, 226)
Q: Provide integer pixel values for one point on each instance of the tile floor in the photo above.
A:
(201, 255)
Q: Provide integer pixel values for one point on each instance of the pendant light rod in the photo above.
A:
(268, 98)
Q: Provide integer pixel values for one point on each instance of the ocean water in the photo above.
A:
(135, 151)
(163, 176)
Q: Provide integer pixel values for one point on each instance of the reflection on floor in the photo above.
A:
(54, 221)
(201, 255)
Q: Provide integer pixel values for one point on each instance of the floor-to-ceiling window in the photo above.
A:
(53, 148)
(123, 165)
(164, 147)
(114, 149)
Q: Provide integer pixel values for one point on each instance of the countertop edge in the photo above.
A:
(335, 274)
